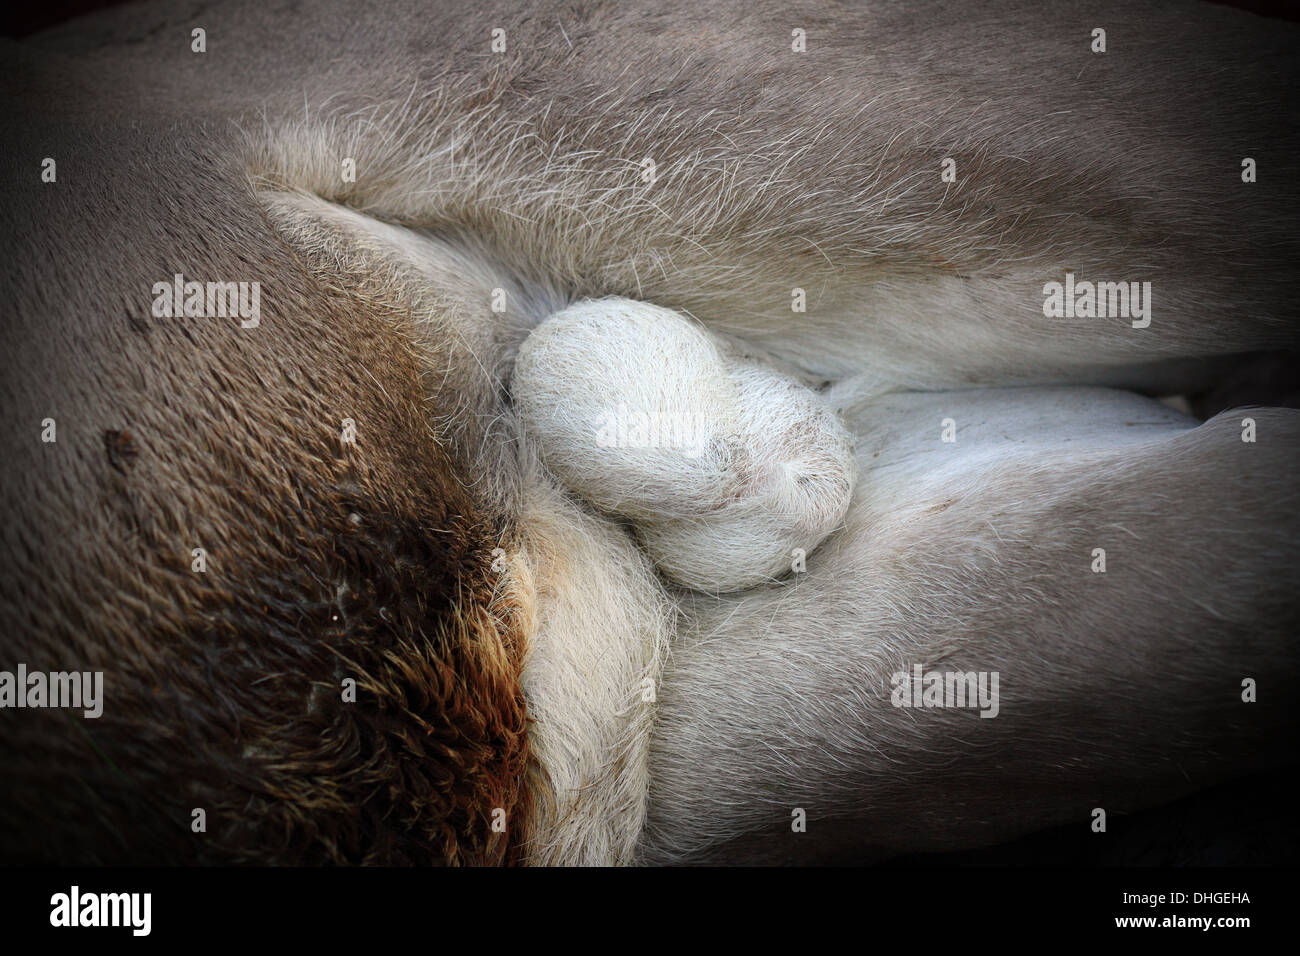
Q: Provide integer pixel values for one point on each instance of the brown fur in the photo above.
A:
(223, 687)
(325, 562)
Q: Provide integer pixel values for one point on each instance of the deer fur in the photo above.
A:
(518, 657)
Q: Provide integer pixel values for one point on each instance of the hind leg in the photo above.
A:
(1129, 583)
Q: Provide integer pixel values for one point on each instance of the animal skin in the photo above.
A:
(723, 464)
(533, 680)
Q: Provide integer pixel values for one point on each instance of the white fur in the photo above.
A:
(598, 629)
(978, 555)
(976, 552)
(728, 467)
(597, 619)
